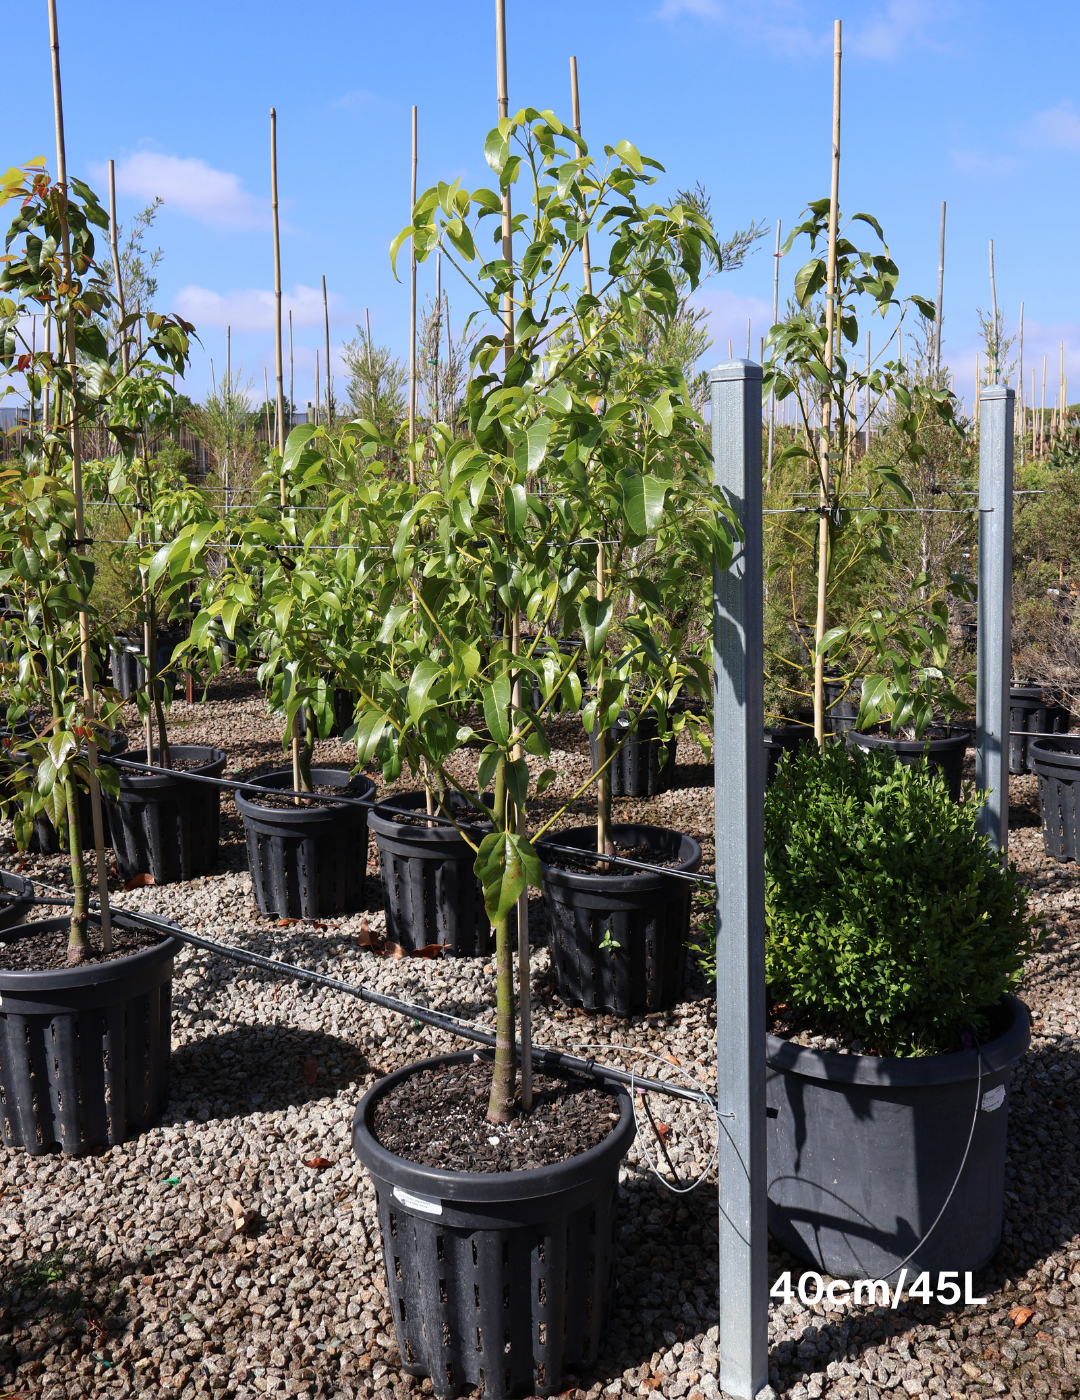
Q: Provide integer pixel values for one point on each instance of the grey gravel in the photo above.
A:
(205, 1256)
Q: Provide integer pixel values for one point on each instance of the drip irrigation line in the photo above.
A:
(543, 1055)
(322, 799)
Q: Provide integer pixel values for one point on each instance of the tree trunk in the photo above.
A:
(78, 945)
(504, 1072)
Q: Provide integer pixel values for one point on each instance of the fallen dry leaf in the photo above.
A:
(672, 1060)
(1021, 1315)
(365, 937)
(137, 881)
(242, 1219)
(663, 1132)
(429, 950)
(395, 950)
(317, 1163)
(311, 1071)
(320, 927)
(287, 923)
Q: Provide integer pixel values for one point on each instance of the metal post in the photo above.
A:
(994, 661)
(740, 887)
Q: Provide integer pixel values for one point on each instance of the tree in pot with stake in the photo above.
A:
(84, 1029)
(312, 594)
(496, 1247)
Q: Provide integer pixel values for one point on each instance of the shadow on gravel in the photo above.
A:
(261, 1069)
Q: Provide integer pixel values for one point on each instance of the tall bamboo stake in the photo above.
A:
(772, 392)
(277, 305)
(438, 339)
(586, 262)
(317, 388)
(1034, 441)
(826, 417)
(1042, 413)
(370, 362)
(292, 400)
(266, 402)
(1061, 393)
(412, 312)
(995, 371)
(977, 387)
(326, 332)
(1020, 381)
(940, 294)
(74, 837)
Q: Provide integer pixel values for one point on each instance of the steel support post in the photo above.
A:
(740, 887)
(994, 661)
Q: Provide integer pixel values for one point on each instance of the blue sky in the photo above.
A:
(975, 103)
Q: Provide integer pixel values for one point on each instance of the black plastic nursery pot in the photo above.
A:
(646, 915)
(163, 824)
(1033, 712)
(47, 840)
(430, 893)
(636, 770)
(500, 1280)
(863, 1152)
(1056, 764)
(782, 739)
(307, 862)
(16, 904)
(943, 749)
(841, 707)
(128, 672)
(84, 1051)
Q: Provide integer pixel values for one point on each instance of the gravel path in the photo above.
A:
(234, 1250)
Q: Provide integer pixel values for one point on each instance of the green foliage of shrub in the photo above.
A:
(886, 913)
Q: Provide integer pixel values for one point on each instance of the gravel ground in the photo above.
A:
(234, 1249)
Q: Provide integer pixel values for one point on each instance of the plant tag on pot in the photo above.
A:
(993, 1098)
(427, 1204)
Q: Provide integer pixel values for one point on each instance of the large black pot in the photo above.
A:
(1032, 712)
(166, 824)
(1056, 763)
(841, 706)
(647, 915)
(636, 770)
(502, 1279)
(128, 672)
(49, 842)
(943, 750)
(15, 905)
(782, 739)
(84, 1051)
(430, 892)
(863, 1152)
(307, 862)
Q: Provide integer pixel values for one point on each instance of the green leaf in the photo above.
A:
(390, 622)
(516, 775)
(496, 710)
(595, 618)
(643, 500)
(370, 728)
(505, 864)
(423, 678)
(516, 509)
(537, 438)
(628, 153)
(661, 413)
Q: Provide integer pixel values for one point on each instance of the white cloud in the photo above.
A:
(1057, 127)
(729, 313)
(189, 184)
(252, 309)
(975, 163)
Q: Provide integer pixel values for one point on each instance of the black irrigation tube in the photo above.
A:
(369, 802)
(543, 1056)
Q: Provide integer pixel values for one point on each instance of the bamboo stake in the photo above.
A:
(266, 401)
(995, 373)
(940, 294)
(1020, 379)
(277, 307)
(450, 365)
(292, 400)
(748, 337)
(370, 362)
(586, 262)
(977, 386)
(74, 837)
(326, 332)
(228, 415)
(412, 315)
(1042, 412)
(826, 418)
(1034, 442)
(1061, 393)
(317, 387)
(772, 392)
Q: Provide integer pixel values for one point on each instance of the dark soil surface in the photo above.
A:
(178, 765)
(45, 950)
(588, 866)
(439, 1119)
(265, 799)
(821, 1033)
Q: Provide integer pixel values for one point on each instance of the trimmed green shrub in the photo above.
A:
(887, 916)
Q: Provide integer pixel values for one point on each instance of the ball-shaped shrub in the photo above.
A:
(887, 915)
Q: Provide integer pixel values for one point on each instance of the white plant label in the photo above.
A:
(427, 1204)
(993, 1098)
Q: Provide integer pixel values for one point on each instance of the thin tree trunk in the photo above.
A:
(77, 938)
(280, 434)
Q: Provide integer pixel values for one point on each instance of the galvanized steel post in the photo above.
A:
(740, 887)
(994, 661)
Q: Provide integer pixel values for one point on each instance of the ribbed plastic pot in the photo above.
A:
(636, 770)
(841, 708)
(15, 906)
(1032, 712)
(128, 672)
(646, 915)
(430, 893)
(782, 739)
(1056, 763)
(45, 839)
(945, 754)
(500, 1280)
(84, 1051)
(863, 1151)
(307, 862)
(164, 824)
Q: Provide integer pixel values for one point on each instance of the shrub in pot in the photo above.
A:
(895, 938)
(504, 522)
(84, 1032)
